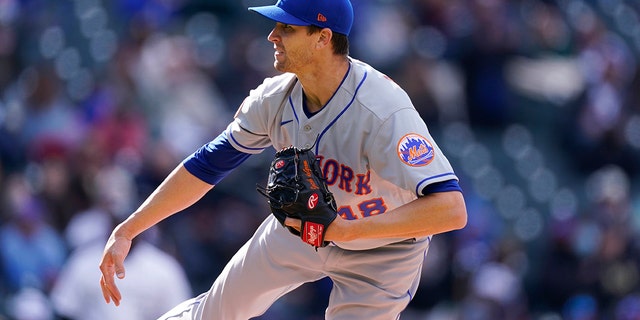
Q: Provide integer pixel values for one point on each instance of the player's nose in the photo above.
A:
(273, 35)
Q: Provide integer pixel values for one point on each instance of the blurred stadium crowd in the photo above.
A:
(536, 104)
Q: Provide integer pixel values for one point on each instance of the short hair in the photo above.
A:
(339, 41)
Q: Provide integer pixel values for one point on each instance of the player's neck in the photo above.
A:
(321, 83)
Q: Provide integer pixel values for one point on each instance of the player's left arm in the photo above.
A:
(431, 214)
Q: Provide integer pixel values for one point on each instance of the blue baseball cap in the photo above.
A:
(336, 15)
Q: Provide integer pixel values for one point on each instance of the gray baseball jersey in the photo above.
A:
(375, 149)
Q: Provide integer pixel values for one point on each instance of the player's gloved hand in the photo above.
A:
(297, 189)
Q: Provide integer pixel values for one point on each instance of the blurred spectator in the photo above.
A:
(185, 108)
(559, 279)
(598, 123)
(30, 304)
(596, 253)
(31, 251)
(155, 281)
(54, 181)
(47, 114)
(113, 194)
(614, 266)
(483, 56)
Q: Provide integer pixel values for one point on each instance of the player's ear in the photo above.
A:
(324, 38)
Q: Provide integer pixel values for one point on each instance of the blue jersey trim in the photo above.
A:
(293, 108)
(353, 98)
(238, 143)
(214, 160)
(444, 186)
(304, 100)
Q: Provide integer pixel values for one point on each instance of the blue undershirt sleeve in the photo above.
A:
(214, 160)
(444, 186)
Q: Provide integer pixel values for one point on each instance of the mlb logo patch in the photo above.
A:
(415, 150)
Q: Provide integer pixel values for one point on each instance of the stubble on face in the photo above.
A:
(294, 58)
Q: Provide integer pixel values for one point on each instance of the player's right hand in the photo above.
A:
(336, 231)
(112, 263)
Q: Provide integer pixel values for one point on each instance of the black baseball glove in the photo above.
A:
(296, 188)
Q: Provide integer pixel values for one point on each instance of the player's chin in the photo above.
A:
(279, 66)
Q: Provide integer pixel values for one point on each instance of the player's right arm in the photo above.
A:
(178, 191)
(185, 185)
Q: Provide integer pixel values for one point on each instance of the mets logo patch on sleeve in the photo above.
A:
(415, 150)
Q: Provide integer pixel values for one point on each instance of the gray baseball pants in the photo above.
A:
(374, 284)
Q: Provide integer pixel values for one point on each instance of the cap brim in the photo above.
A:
(275, 13)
